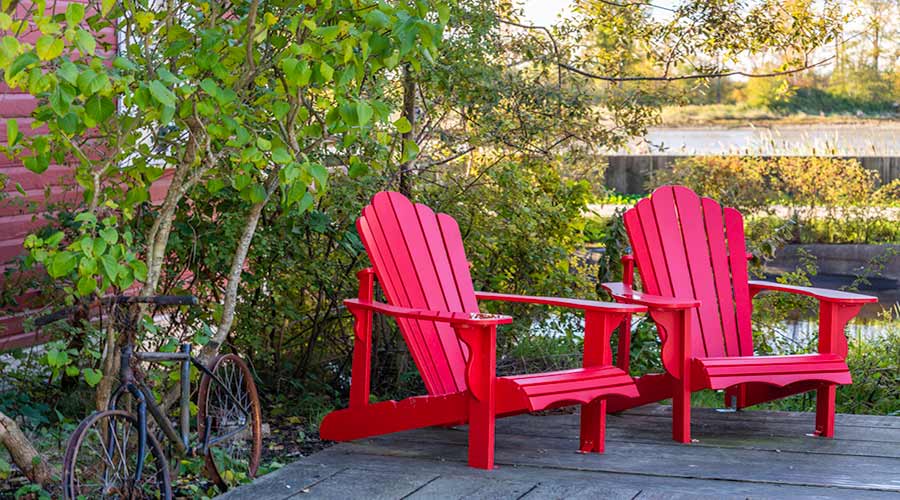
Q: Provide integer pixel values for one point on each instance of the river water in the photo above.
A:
(850, 140)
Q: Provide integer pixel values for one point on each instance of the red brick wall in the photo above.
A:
(16, 218)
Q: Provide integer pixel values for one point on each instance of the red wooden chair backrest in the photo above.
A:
(689, 247)
(419, 261)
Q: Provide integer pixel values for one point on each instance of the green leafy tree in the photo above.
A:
(259, 99)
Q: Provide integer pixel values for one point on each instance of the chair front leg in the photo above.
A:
(360, 375)
(481, 378)
(825, 402)
(676, 353)
(598, 328)
(833, 318)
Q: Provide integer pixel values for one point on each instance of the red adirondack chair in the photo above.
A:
(692, 260)
(419, 261)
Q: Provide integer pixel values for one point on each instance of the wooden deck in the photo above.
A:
(750, 454)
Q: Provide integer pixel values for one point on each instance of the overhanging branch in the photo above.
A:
(694, 76)
(664, 78)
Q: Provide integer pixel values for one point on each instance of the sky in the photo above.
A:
(544, 12)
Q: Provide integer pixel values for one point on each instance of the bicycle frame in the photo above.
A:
(146, 400)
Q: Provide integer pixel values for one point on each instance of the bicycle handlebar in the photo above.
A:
(161, 300)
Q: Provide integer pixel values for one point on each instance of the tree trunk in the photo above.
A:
(409, 111)
(23, 454)
(211, 349)
(110, 364)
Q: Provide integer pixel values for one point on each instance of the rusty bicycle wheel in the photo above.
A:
(235, 420)
(101, 459)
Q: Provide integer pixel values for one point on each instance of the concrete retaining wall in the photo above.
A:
(629, 174)
(846, 260)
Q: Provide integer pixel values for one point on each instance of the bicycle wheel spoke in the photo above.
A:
(101, 461)
(232, 407)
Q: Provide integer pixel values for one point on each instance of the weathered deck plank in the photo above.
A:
(743, 455)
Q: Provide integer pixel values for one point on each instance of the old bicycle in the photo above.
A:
(115, 454)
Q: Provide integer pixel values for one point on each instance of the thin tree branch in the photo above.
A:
(552, 42)
(665, 77)
(695, 76)
(637, 4)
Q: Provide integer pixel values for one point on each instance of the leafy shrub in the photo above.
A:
(888, 194)
(814, 100)
(812, 181)
(745, 183)
(768, 92)
(751, 183)
(850, 229)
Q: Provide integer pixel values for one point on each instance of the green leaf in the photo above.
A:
(357, 168)
(110, 267)
(443, 13)
(168, 77)
(280, 109)
(74, 13)
(99, 108)
(49, 47)
(54, 239)
(92, 376)
(139, 269)
(263, 144)
(210, 87)
(125, 278)
(68, 71)
(12, 132)
(124, 64)
(377, 19)
(69, 123)
(402, 125)
(326, 71)
(257, 193)
(363, 112)
(61, 264)
(241, 181)
(85, 41)
(319, 173)
(109, 235)
(215, 185)
(106, 6)
(57, 358)
(37, 164)
(168, 112)
(328, 33)
(86, 285)
(281, 156)
(59, 101)
(21, 62)
(303, 73)
(162, 94)
(144, 20)
(410, 150)
(100, 247)
(87, 266)
(305, 203)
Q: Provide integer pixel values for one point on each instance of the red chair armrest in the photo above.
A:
(821, 294)
(624, 293)
(453, 318)
(585, 305)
